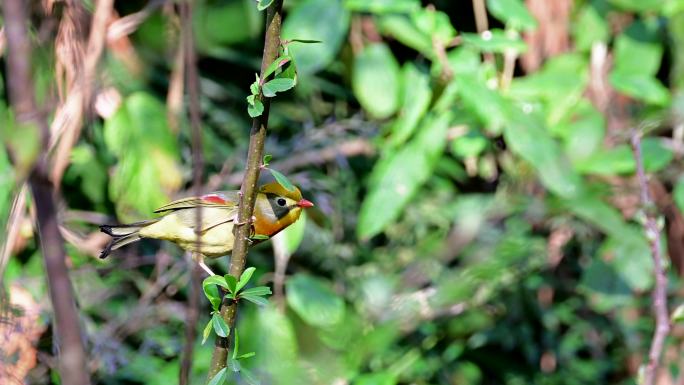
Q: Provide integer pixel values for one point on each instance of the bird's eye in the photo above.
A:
(281, 202)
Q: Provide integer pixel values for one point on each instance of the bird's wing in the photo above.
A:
(218, 199)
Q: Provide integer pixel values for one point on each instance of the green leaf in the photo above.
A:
(303, 41)
(207, 331)
(433, 23)
(513, 13)
(215, 280)
(494, 40)
(322, 20)
(232, 283)
(259, 237)
(641, 87)
(381, 378)
(236, 344)
(470, 145)
(488, 105)
(638, 55)
(277, 63)
(256, 110)
(401, 28)
(263, 4)
(314, 301)
(375, 80)
(282, 180)
(258, 291)
(274, 86)
(397, 178)
(529, 139)
(244, 278)
(246, 355)
(254, 88)
(220, 327)
(261, 301)
(382, 6)
(234, 365)
(220, 377)
(620, 159)
(678, 314)
(148, 168)
(267, 159)
(638, 5)
(212, 294)
(678, 193)
(591, 27)
(416, 97)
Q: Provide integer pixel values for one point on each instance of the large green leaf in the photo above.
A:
(488, 105)
(416, 96)
(641, 87)
(401, 28)
(529, 139)
(147, 172)
(591, 27)
(323, 20)
(513, 13)
(382, 6)
(376, 80)
(211, 18)
(396, 179)
(314, 301)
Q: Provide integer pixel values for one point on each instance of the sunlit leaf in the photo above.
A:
(282, 180)
(494, 40)
(244, 278)
(220, 326)
(207, 331)
(274, 86)
(513, 13)
(314, 301)
(396, 179)
(255, 110)
(220, 377)
(416, 96)
(322, 20)
(375, 80)
(263, 4)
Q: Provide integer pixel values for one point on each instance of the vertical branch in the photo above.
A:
(248, 189)
(72, 358)
(187, 47)
(662, 327)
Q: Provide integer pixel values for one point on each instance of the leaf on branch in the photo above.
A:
(263, 4)
(232, 283)
(282, 180)
(219, 378)
(206, 332)
(244, 278)
(277, 63)
(220, 326)
(212, 294)
(255, 110)
(267, 159)
(259, 237)
(303, 41)
(270, 88)
(261, 301)
(259, 290)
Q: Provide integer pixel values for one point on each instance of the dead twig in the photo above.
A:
(662, 319)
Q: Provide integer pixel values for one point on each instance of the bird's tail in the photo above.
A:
(122, 235)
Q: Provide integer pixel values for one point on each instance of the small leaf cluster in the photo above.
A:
(285, 78)
(235, 291)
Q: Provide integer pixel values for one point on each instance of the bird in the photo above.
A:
(275, 209)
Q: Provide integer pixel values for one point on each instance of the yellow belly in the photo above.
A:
(178, 227)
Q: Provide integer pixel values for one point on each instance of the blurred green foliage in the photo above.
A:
(493, 237)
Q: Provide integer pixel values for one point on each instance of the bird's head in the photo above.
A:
(277, 208)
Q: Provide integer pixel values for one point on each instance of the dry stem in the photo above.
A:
(662, 327)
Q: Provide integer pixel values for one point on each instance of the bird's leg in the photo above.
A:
(199, 258)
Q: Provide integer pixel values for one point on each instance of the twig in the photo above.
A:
(187, 48)
(349, 148)
(248, 189)
(72, 359)
(662, 320)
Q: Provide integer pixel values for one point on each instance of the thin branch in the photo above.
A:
(662, 327)
(72, 358)
(187, 47)
(249, 185)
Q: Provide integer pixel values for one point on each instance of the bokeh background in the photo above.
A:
(477, 214)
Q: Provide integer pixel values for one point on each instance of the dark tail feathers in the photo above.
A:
(122, 235)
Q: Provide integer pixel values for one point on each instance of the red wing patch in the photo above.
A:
(215, 198)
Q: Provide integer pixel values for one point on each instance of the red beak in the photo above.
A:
(304, 203)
